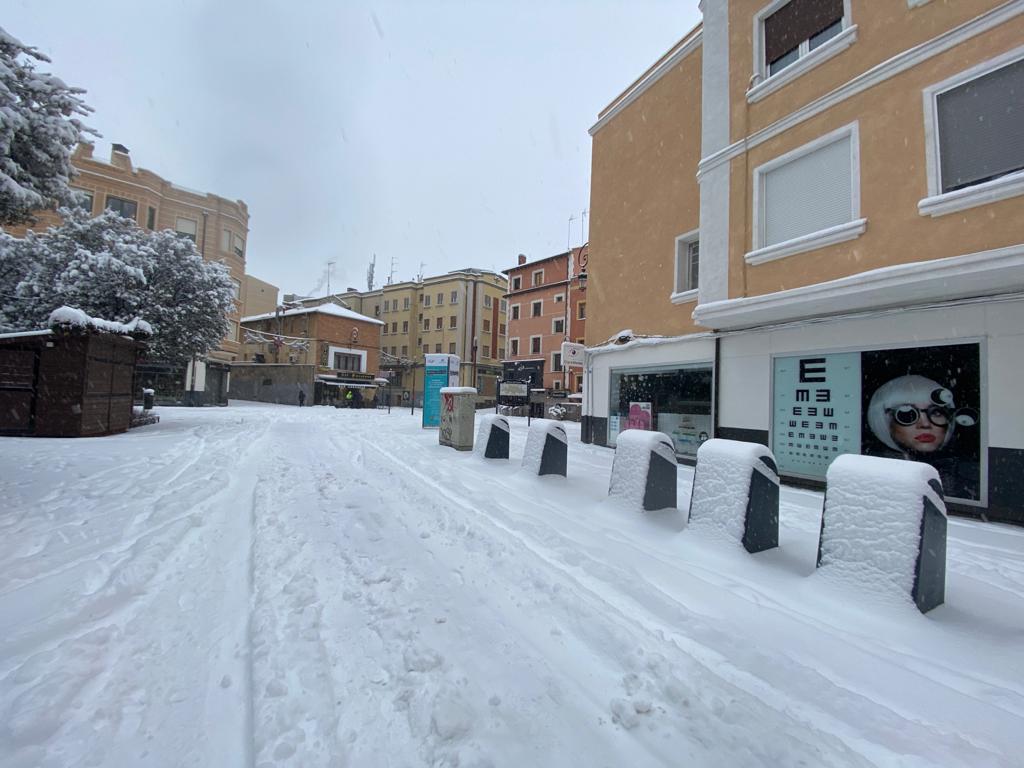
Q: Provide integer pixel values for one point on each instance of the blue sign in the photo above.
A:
(816, 411)
(440, 371)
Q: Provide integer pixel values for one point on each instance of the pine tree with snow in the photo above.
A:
(38, 132)
(110, 268)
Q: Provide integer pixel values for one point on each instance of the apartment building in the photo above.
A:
(547, 306)
(807, 215)
(459, 313)
(259, 296)
(217, 226)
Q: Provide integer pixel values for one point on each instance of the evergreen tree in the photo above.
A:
(38, 132)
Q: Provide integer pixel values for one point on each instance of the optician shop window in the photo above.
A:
(675, 401)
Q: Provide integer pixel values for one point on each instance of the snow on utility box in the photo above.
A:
(492, 437)
(458, 410)
(736, 490)
(884, 526)
(547, 448)
(644, 470)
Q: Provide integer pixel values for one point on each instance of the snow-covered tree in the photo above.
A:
(110, 268)
(38, 132)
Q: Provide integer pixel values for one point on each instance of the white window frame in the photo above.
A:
(939, 203)
(677, 296)
(426, 300)
(559, 298)
(488, 301)
(537, 301)
(350, 351)
(763, 83)
(540, 345)
(812, 241)
(517, 310)
(514, 339)
(439, 302)
(454, 298)
(551, 360)
(558, 320)
(453, 322)
(533, 276)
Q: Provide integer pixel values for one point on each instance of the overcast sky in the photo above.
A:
(448, 133)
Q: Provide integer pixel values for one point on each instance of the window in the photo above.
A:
(419, 317)
(394, 327)
(384, 330)
(451, 348)
(579, 383)
(517, 283)
(513, 347)
(394, 351)
(405, 350)
(438, 323)
(126, 208)
(376, 310)
(488, 302)
(556, 361)
(437, 349)
(974, 125)
(501, 329)
(504, 306)
(687, 262)
(515, 311)
(421, 298)
(346, 362)
(537, 278)
(808, 198)
(150, 215)
(426, 349)
(452, 321)
(440, 299)
(405, 326)
(385, 307)
(558, 325)
(394, 305)
(225, 240)
(487, 350)
(405, 303)
(85, 199)
(454, 298)
(535, 345)
(230, 242)
(501, 353)
(559, 298)
(238, 288)
(426, 324)
(556, 384)
(487, 326)
(426, 301)
(536, 308)
(233, 332)
(581, 311)
(797, 28)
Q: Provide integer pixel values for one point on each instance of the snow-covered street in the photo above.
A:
(268, 585)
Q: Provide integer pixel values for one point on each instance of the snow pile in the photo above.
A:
(69, 316)
(721, 485)
(633, 449)
(872, 521)
(537, 439)
(483, 433)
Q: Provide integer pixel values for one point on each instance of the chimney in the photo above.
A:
(522, 259)
(84, 149)
(119, 157)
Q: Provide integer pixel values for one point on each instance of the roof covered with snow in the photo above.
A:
(323, 309)
(70, 316)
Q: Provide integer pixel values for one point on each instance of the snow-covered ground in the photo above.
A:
(263, 585)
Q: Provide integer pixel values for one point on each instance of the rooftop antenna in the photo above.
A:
(391, 275)
(419, 277)
(330, 267)
(369, 273)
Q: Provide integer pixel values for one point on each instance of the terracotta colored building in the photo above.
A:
(800, 207)
(547, 306)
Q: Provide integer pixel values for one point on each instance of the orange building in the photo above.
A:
(546, 307)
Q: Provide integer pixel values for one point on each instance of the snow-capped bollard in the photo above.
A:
(492, 437)
(547, 448)
(644, 470)
(458, 409)
(884, 526)
(736, 489)
(147, 399)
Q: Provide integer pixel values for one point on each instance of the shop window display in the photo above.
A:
(675, 401)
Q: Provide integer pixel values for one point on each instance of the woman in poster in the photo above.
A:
(916, 417)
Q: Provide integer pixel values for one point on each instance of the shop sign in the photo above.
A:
(572, 354)
(919, 404)
(513, 389)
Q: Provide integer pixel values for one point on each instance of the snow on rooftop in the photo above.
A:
(25, 334)
(324, 309)
(77, 318)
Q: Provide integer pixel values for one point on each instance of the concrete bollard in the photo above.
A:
(736, 489)
(492, 437)
(547, 448)
(884, 526)
(458, 411)
(644, 470)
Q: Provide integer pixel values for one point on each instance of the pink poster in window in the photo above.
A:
(640, 416)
